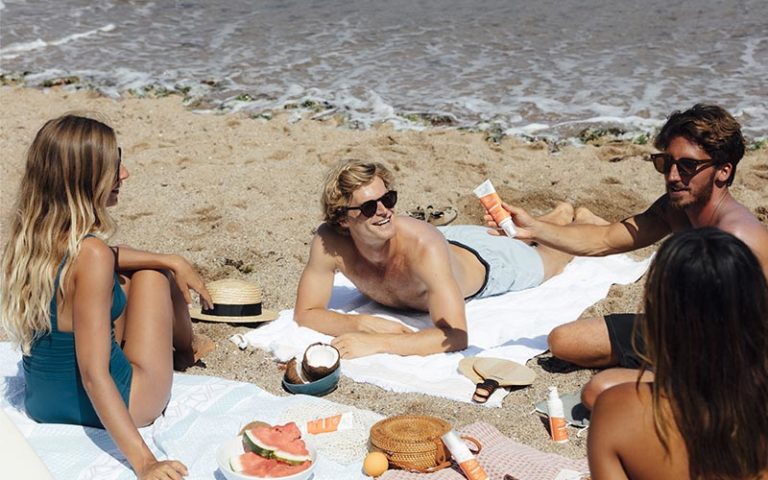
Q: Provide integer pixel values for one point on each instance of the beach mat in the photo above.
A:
(513, 326)
(501, 456)
(203, 413)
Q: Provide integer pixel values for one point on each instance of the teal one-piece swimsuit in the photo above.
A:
(54, 389)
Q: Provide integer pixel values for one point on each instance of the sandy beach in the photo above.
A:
(239, 197)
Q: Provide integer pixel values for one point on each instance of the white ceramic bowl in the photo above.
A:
(234, 446)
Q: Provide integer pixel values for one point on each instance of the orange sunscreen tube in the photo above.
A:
(492, 203)
(468, 463)
(342, 421)
(557, 425)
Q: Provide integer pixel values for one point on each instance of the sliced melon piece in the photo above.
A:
(294, 452)
(284, 469)
(282, 442)
(254, 424)
(252, 442)
(251, 464)
(290, 429)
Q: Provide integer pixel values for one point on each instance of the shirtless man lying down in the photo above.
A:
(405, 263)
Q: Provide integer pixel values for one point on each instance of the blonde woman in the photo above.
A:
(100, 328)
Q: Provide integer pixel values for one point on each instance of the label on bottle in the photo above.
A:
(472, 470)
(558, 428)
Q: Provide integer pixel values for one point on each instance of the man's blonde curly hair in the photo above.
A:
(343, 179)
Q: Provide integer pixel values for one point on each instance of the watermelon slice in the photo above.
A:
(284, 469)
(290, 430)
(282, 442)
(251, 464)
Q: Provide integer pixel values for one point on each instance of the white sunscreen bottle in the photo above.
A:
(468, 463)
(557, 424)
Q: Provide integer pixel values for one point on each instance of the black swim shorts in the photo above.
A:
(620, 331)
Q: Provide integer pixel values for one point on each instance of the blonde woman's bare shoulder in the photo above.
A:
(94, 252)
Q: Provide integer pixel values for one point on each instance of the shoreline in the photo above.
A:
(239, 197)
(210, 96)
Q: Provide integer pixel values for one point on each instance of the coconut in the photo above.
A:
(320, 360)
(293, 373)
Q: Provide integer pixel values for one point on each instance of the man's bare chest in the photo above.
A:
(394, 285)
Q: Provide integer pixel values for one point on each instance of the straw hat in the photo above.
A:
(234, 301)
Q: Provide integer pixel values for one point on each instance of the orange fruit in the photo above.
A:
(375, 464)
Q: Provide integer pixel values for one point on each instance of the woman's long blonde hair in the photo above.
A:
(72, 166)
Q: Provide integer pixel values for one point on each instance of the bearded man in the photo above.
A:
(699, 151)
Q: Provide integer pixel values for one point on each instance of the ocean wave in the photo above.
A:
(415, 65)
(15, 49)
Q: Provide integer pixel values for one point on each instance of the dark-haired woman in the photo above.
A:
(705, 415)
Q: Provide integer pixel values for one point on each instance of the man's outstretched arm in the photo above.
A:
(629, 234)
(314, 293)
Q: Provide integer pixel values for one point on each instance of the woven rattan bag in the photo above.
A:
(412, 442)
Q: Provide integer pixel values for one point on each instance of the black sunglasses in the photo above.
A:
(369, 208)
(688, 167)
(119, 163)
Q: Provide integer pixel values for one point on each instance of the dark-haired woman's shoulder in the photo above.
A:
(622, 438)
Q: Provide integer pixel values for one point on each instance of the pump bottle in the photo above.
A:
(557, 423)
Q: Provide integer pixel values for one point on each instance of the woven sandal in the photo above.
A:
(418, 213)
(440, 216)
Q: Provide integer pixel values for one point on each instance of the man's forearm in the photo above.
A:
(329, 322)
(580, 240)
(425, 342)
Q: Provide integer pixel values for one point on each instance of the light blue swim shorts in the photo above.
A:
(510, 265)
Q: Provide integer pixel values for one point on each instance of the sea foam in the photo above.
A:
(14, 50)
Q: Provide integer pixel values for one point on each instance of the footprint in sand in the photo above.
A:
(200, 224)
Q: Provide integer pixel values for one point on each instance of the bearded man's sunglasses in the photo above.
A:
(687, 167)
(369, 208)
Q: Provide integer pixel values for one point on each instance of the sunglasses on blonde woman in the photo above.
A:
(687, 167)
(369, 208)
(119, 163)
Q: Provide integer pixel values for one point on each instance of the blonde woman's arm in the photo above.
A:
(92, 300)
(131, 259)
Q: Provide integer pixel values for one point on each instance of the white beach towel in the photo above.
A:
(512, 326)
(203, 413)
